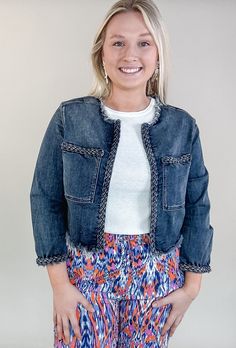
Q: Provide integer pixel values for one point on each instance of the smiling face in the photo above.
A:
(129, 52)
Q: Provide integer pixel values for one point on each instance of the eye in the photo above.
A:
(118, 43)
(144, 43)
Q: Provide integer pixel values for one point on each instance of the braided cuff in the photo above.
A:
(193, 268)
(43, 261)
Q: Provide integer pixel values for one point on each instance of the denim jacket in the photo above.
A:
(71, 180)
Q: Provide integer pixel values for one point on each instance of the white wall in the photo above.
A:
(45, 47)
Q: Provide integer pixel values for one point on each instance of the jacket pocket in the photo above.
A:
(80, 171)
(175, 178)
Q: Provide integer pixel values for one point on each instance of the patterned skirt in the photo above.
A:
(121, 282)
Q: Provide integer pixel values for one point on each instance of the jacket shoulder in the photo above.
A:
(180, 113)
(88, 99)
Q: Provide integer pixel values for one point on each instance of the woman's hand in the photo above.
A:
(180, 300)
(65, 300)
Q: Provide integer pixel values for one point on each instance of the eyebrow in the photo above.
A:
(122, 37)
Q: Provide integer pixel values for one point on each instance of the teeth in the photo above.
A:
(130, 71)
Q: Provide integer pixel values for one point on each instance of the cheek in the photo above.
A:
(151, 56)
(150, 63)
(110, 57)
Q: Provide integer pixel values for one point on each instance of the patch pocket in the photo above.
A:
(80, 171)
(175, 178)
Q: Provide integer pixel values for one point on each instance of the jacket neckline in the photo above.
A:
(157, 112)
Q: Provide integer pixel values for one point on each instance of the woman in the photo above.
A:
(124, 266)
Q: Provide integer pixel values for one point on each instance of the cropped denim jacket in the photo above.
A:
(72, 174)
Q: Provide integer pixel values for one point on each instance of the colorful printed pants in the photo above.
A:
(121, 282)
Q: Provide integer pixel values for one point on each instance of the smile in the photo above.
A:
(130, 70)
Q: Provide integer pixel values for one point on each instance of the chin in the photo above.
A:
(129, 83)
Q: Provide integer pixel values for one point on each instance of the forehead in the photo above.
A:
(127, 23)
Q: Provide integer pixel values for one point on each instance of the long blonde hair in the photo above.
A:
(153, 20)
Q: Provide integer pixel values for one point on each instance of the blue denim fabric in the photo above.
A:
(73, 170)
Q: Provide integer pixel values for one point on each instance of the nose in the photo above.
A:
(130, 53)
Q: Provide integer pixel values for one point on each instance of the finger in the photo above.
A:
(176, 323)
(59, 327)
(162, 301)
(87, 305)
(170, 320)
(75, 326)
(54, 317)
(66, 330)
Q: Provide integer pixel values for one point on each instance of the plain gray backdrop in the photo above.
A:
(45, 59)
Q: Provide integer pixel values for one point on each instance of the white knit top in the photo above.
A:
(129, 199)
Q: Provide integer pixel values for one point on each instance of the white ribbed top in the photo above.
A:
(129, 199)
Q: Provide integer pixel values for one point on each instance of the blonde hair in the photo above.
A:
(156, 86)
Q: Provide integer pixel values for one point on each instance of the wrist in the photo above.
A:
(58, 287)
(192, 284)
(191, 291)
(58, 275)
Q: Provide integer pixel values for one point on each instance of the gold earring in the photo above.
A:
(156, 72)
(105, 73)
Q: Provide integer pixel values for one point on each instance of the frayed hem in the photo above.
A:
(86, 250)
(159, 252)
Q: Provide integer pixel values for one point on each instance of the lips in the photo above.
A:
(129, 70)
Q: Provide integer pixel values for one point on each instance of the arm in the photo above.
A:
(192, 284)
(180, 300)
(58, 274)
(197, 242)
(49, 219)
(66, 298)
(48, 205)
(197, 232)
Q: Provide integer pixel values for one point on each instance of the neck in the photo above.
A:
(127, 102)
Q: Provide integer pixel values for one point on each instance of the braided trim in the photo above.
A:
(105, 187)
(43, 261)
(91, 151)
(194, 268)
(108, 172)
(154, 174)
(154, 183)
(181, 159)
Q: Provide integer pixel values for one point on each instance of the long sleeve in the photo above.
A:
(48, 205)
(197, 232)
